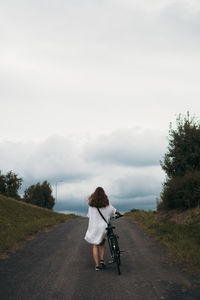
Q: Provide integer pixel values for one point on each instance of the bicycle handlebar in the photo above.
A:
(117, 217)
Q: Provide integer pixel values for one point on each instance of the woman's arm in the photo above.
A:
(118, 213)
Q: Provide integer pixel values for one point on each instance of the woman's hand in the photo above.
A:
(118, 213)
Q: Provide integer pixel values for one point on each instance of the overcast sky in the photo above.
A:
(88, 89)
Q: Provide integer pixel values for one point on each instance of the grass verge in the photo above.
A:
(178, 231)
(19, 221)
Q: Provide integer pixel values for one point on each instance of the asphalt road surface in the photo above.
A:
(58, 265)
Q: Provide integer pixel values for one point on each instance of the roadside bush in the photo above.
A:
(181, 192)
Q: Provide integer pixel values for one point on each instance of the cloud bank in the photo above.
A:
(127, 148)
(125, 163)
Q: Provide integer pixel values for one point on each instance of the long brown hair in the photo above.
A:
(98, 198)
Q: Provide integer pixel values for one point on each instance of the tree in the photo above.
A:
(40, 194)
(10, 184)
(13, 183)
(182, 165)
(184, 147)
(2, 184)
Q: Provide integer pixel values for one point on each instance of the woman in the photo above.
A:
(96, 231)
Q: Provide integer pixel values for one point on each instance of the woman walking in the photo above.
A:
(96, 231)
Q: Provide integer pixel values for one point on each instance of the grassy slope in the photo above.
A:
(19, 220)
(178, 231)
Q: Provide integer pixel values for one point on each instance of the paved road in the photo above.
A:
(58, 265)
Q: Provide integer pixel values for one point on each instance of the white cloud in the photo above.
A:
(129, 147)
(125, 163)
(153, 6)
(96, 66)
(138, 182)
(52, 159)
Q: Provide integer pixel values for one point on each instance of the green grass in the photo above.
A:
(19, 221)
(182, 240)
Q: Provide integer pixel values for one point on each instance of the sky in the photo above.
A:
(88, 90)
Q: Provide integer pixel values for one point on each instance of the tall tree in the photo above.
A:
(182, 164)
(40, 194)
(184, 147)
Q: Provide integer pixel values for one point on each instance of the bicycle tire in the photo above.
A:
(116, 255)
(118, 251)
(110, 246)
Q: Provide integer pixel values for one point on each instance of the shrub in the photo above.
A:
(181, 192)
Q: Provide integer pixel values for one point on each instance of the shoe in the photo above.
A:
(102, 264)
(97, 268)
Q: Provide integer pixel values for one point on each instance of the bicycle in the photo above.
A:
(114, 245)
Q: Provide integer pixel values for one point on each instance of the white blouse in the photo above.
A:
(96, 231)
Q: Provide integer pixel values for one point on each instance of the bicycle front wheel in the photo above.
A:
(116, 256)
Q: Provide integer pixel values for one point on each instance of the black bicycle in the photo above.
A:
(114, 245)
